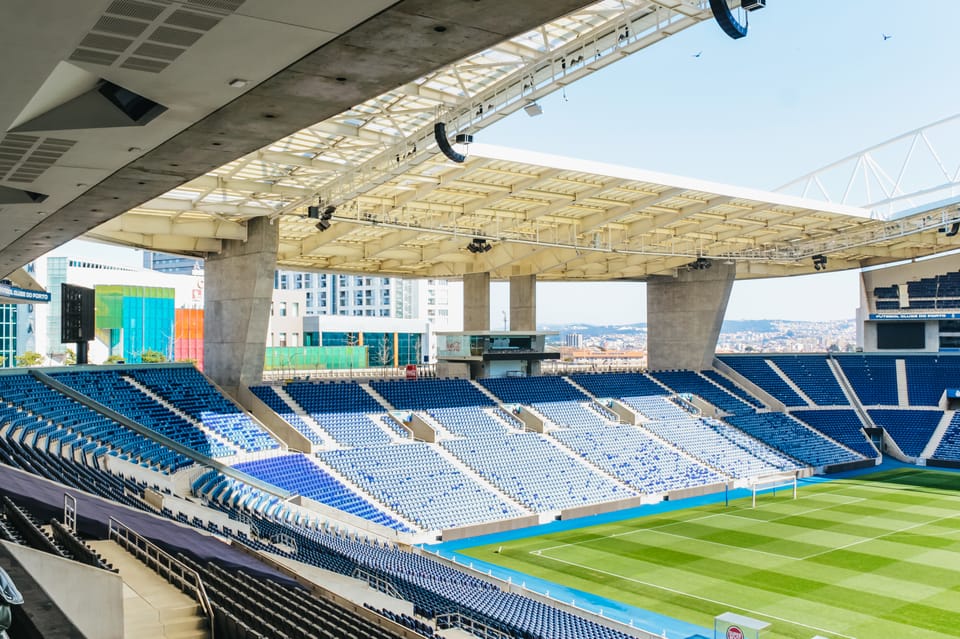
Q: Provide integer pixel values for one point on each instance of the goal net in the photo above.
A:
(772, 482)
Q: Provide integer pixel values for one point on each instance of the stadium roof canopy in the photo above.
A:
(558, 218)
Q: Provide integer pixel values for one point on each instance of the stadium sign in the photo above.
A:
(730, 625)
(913, 316)
(15, 295)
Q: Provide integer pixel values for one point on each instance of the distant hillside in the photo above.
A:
(755, 326)
(591, 330)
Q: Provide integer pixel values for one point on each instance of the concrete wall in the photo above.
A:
(492, 527)
(91, 598)
(277, 426)
(684, 315)
(237, 297)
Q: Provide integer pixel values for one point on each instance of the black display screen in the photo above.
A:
(901, 335)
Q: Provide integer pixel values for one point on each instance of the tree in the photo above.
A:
(150, 356)
(30, 358)
(114, 359)
(70, 358)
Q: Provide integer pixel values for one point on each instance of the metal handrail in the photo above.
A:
(168, 566)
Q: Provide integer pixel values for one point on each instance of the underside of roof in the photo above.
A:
(560, 219)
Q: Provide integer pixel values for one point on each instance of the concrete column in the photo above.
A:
(238, 289)
(684, 315)
(476, 302)
(523, 303)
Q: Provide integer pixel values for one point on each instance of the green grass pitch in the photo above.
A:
(876, 557)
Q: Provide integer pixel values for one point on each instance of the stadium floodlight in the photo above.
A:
(533, 109)
(478, 245)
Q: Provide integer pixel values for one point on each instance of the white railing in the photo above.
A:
(166, 565)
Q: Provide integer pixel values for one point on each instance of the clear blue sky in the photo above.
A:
(810, 84)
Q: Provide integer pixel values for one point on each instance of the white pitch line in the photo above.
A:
(718, 543)
(880, 536)
(692, 596)
(853, 500)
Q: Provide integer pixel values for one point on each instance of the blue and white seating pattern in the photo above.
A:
(299, 475)
(691, 382)
(733, 388)
(111, 390)
(343, 410)
(636, 458)
(53, 414)
(469, 421)
(417, 482)
(571, 413)
(708, 444)
(795, 439)
(185, 388)
(535, 472)
(841, 425)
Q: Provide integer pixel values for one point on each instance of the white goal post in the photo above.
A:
(772, 481)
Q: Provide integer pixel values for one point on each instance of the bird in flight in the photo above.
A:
(886, 37)
(697, 54)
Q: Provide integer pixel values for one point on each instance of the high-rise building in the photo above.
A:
(375, 296)
(573, 340)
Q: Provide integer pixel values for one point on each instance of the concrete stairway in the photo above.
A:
(152, 607)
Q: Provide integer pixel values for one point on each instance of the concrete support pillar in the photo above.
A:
(523, 303)
(684, 315)
(238, 289)
(476, 302)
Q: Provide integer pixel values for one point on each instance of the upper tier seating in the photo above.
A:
(759, 372)
(416, 481)
(742, 393)
(530, 390)
(813, 376)
(841, 425)
(794, 438)
(110, 389)
(423, 394)
(185, 388)
(691, 382)
(911, 429)
(928, 376)
(268, 395)
(535, 472)
(298, 474)
(873, 377)
(618, 384)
